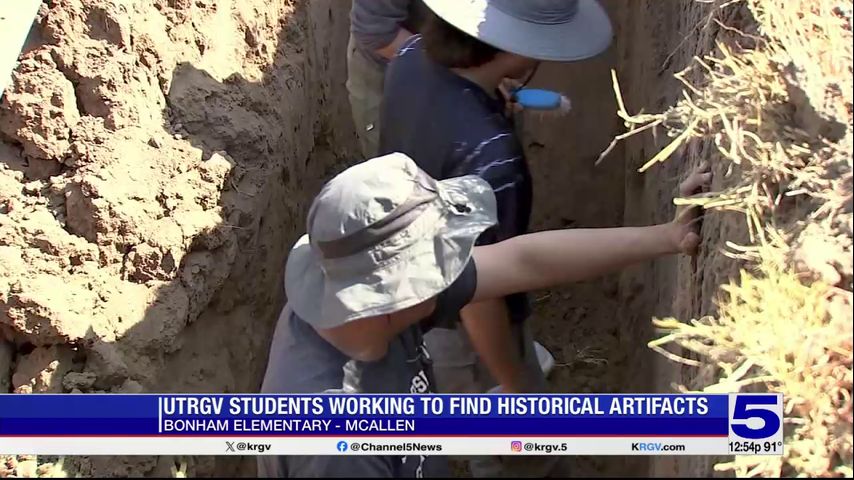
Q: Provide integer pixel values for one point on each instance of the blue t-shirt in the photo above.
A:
(451, 127)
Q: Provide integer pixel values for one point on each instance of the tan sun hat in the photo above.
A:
(550, 30)
(383, 236)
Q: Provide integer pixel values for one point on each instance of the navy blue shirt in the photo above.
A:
(451, 127)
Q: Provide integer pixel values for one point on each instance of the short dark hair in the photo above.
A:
(451, 47)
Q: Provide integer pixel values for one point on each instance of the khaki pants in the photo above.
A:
(457, 369)
(365, 82)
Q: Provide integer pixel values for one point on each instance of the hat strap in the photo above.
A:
(399, 219)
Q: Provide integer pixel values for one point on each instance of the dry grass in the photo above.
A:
(31, 466)
(779, 334)
(779, 112)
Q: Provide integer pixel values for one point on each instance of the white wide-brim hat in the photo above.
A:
(384, 236)
(549, 30)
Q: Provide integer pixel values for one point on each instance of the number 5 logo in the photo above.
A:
(749, 407)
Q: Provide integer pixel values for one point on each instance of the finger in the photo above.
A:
(695, 221)
(695, 183)
(512, 107)
(504, 91)
(508, 87)
(690, 244)
(512, 83)
(688, 214)
(693, 225)
(705, 182)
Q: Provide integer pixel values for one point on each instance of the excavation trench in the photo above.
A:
(158, 158)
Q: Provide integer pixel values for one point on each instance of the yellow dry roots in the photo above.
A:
(779, 114)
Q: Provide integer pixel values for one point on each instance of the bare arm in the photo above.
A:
(488, 326)
(547, 259)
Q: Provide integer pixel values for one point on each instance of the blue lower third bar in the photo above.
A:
(306, 426)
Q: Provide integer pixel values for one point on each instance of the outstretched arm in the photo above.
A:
(524, 263)
(547, 259)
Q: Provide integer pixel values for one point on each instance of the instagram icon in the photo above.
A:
(516, 446)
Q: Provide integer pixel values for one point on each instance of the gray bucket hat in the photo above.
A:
(383, 236)
(550, 30)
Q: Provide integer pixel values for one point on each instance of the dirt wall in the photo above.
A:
(600, 329)
(658, 40)
(157, 160)
(579, 323)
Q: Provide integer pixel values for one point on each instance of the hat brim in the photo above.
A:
(431, 254)
(588, 34)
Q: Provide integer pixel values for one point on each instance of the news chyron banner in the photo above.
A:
(340, 424)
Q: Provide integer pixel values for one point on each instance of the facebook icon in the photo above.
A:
(342, 446)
